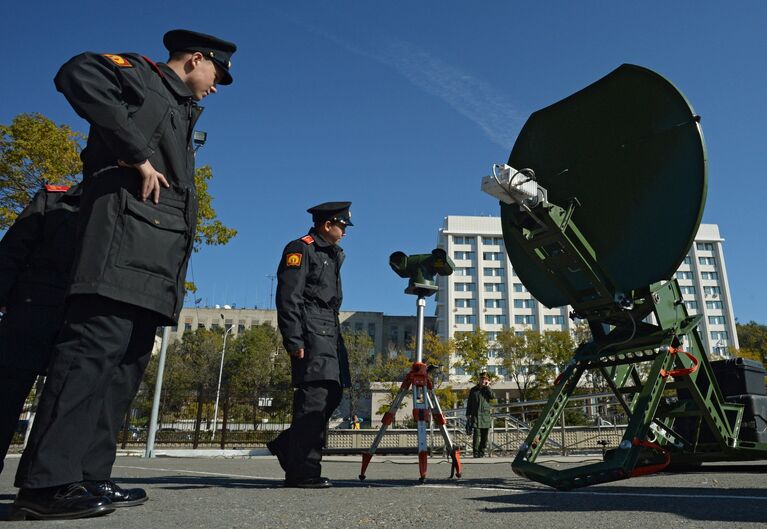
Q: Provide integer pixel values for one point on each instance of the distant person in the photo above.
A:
(308, 300)
(36, 256)
(479, 417)
(129, 267)
(356, 422)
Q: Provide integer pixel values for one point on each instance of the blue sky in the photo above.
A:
(401, 107)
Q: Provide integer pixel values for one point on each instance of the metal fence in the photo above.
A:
(189, 418)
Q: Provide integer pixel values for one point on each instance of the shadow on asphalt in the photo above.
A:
(183, 482)
(694, 508)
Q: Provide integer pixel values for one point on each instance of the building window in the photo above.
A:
(691, 305)
(714, 305)
(684, 275)
(707, 261)
(495, 287)
(690, 291)
(495, 319)
(523, 303)
(519, 287)
(554, 320)
(408, 334)
(187, 327)
(524, 319)
(463, 240)
(394, 334)
(465, 271)
(705, 246)
(466, 303)
(492, 256)
(719, 335)
(711, 276)
(465, 319)
(372, 331)
(464, 255)
(460, 371)
(712, 291)
(465, 287)
(492, 336)
(716, 320)
(495, 303)
(493, 272)
(687, 260)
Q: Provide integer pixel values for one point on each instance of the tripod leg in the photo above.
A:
(387, 419)
(421, 416)
(455, 454)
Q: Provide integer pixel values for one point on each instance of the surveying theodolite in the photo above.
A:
(420, 270)
(601, 221)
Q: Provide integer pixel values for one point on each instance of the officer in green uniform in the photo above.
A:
(35, 260)
(308, 300)
(479, 414)
(129, 267)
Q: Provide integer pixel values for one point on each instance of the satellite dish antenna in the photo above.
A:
(601, 199)
(627, 152)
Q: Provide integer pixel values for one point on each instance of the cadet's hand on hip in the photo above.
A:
(298, 354)
(151, 180)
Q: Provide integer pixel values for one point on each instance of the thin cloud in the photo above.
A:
(477, 100)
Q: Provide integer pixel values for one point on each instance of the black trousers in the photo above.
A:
(97, 366)
(313, 404)
(15, 385)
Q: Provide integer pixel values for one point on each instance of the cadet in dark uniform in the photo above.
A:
(130, 262)
(35, 260)
(308, 300)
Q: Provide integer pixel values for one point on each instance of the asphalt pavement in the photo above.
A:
(238, 492)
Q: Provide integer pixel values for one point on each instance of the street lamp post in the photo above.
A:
(220, 374)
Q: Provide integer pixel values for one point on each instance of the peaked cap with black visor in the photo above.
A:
(217, 50)
(332, 211)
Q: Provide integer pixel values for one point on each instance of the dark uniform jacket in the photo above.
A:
(478, 408)
(308, 300)
(133, 251)
(36, 256)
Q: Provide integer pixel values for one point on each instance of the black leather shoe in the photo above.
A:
(66, 502)
(119, 496)
(309, 483)
(274, 449)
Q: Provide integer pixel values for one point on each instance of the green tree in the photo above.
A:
(438, 352)
(249, 366)
(210, 230)
(359, 347)
(34, 151)
(471, 351)
(531, 358)
(752, 338)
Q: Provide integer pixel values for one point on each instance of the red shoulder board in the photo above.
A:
(154, 66)
(56, 189)
(119, 60)
(308, 239)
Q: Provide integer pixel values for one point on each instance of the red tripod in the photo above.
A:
(424, 402)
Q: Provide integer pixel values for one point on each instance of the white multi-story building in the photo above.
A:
(485, 293)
